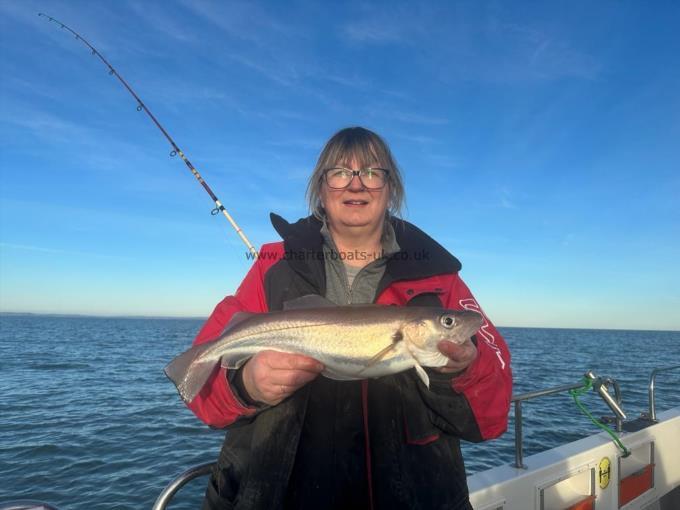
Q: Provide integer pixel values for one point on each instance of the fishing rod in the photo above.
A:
(176, 151)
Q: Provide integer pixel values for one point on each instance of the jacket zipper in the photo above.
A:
(364, 401)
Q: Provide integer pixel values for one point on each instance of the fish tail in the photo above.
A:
(189, 373)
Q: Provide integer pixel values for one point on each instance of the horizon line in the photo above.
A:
(190, 317)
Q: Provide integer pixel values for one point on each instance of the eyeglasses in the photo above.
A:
(371, 178)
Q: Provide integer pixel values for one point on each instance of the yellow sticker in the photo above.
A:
(604, 470)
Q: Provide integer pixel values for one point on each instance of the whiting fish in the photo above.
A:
(353, 342)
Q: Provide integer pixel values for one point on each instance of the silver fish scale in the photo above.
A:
(358, 340)
(355, 333)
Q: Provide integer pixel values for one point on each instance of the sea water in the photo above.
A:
(88, 420)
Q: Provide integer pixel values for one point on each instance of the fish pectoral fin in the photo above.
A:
(397, 337)
(380, 355)
(308, 301)
(423, 375)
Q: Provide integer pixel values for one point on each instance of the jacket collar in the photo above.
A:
(419, 256)
(303, 245)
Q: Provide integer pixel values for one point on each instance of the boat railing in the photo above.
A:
(169, 492)
(599, 383)
(518, 399)
(651, 416)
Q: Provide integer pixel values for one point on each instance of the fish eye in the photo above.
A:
(447, 321)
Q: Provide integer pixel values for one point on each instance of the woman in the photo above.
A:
(300, 441)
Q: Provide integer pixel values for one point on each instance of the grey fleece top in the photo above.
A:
(346, 284)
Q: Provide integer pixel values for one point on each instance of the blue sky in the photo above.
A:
(538, 141)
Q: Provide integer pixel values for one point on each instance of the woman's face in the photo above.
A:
(355, 206)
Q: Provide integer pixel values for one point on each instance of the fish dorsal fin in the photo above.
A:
(235, 320)
(308, 301)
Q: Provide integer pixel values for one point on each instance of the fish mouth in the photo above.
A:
(458, 339)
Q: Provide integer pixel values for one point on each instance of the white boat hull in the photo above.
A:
(574, 475)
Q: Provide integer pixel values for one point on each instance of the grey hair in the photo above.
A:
(365, 148)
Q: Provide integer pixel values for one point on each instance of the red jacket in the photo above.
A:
(307, 450)
(487, 382)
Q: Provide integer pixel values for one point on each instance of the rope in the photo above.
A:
(576, 393)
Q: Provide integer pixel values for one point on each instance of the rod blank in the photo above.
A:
(175, 149)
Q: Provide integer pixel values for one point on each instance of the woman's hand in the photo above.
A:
(460, 355)
(272, 376)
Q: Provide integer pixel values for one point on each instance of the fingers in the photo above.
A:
(286, 361)
(272, 376)
(458, 352)
(292, 378)
(273, 392)
(460, 355)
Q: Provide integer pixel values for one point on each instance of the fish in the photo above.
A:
(353, 341)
